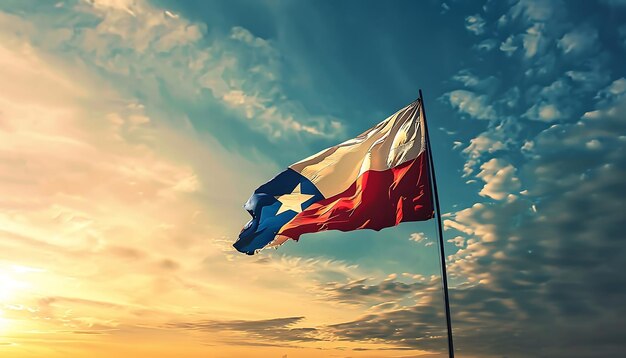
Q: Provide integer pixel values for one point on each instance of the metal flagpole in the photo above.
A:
(444, 275)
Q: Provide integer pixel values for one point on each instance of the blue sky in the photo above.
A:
(134, 132)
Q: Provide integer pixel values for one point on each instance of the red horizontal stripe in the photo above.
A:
(378, 199)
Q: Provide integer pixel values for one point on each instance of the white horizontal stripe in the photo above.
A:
(390, 143)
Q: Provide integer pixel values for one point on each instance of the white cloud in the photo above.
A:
(533, 10)
(458, 241)
(137, 26)
(509, 45)
(243, 35)
(468, 79)
(533, 40)
(545, 108)
(486, 142)
(486, 45)
(548, 112)
(545, 112)
(618, 87)
(593, 144)
(472, 104)
(578, 42)
(615, 90)
(511, 97)
(500, 179)
(580, 76)
(502, 21)
(475, 24)
(418, 237)
(465, 221)
(591, 79)
(528, 146)
(171, 14)
(555, 90)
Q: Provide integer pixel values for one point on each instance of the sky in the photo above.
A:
(133, 131)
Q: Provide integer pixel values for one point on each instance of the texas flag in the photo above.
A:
(376, 180)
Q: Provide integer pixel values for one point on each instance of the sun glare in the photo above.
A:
(8, 287)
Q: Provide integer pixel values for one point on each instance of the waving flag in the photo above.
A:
(376, 180)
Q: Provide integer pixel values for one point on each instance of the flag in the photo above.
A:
(376, 180)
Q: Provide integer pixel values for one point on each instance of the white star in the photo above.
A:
(292, 201)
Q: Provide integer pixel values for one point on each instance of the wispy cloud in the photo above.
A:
(258, 332)
(470, 103)
(133, 41)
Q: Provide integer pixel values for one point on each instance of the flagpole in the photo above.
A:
(444, 275)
